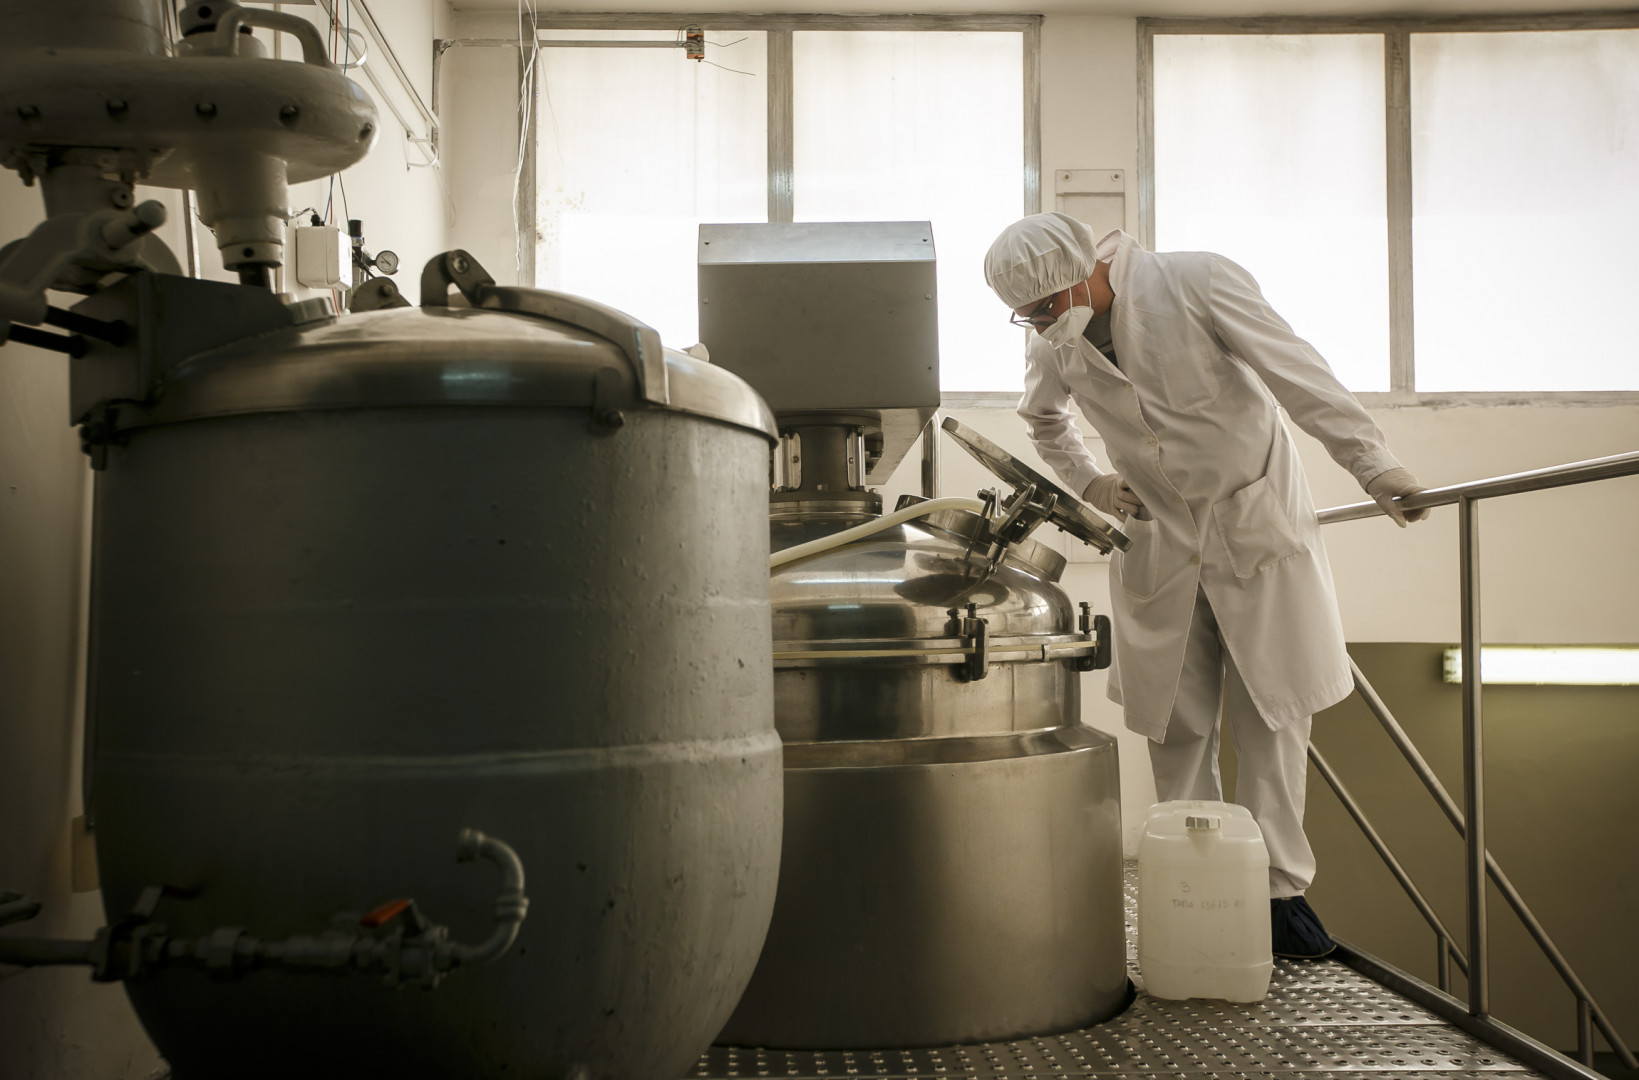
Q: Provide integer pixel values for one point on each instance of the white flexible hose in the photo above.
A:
(860, 532)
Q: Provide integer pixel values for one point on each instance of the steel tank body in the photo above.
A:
(362, 584)
(951, 870)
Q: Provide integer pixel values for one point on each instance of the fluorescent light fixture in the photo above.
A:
(1556, 665)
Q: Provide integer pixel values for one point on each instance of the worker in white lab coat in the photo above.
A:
(1225, 595)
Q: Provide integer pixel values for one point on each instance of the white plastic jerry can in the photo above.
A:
(1203, 903)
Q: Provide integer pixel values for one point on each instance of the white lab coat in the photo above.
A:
(1190, 421)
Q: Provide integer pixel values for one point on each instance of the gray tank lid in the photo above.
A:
(510, 347)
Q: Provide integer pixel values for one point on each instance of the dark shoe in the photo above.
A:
(1295, 931)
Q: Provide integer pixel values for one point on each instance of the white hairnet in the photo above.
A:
(1038, 256)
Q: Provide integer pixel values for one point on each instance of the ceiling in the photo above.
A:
(1156, 8)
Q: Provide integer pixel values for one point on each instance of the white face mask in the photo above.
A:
(1069, 326)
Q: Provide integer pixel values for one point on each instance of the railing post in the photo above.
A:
(1584, 1032)
(1473, 756)
(1442, 964)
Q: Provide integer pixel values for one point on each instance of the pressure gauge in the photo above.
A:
(386, 262)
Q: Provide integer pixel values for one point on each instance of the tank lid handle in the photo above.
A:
(639, 341)
(1203, 822)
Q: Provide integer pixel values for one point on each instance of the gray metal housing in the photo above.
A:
(828, 316)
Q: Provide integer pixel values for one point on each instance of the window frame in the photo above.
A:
(1396, 34)
(781, 140)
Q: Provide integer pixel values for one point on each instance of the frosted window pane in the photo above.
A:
(906, 126)
(1269, 150)
(638, 147)
(1525, 165)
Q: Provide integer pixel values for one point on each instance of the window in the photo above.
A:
(635, 148)
(1269, 150)
(1525, 159)
(897, 126)
(917, 118)
(1438, 208)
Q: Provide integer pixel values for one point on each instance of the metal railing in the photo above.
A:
(1470, 818)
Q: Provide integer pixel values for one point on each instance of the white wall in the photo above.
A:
(55, 1023)
(478, 96)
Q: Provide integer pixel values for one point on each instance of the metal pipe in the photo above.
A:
(1504, 884)
(511, 905)
(421, 953)
(1577, 472)
(564, 43)
(1430, 916)
(930, 457)
(190, 233)
(1584, 1033)
(34, 952)
(115, 333)
(1442, 964)
(1397, 734)
(72, 344)
(383, 48)
(1468, 528)
(870, 528)
(15, 907)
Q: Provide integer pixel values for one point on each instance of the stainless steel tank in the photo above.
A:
(951, 869)
(358, 584)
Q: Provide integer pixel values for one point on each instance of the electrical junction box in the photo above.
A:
(1095, 197)
(319, 263)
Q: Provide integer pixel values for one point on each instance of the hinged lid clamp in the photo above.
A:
(640, 342)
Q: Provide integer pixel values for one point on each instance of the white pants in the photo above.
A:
(1272, 765)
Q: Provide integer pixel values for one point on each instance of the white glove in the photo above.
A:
(1386, 486)
(1111, 494)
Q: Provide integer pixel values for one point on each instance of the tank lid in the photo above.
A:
(516, 347)
(1067, 512)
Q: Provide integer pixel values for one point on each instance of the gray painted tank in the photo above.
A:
(952, 860)
(363, 583)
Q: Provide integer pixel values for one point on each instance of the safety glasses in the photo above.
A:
(1039, 319)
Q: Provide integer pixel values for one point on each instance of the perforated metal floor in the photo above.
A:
(1319, 1017)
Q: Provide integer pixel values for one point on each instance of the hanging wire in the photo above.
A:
(736, 71)
(341, 41)
(190, 235)
(346, 214)
(682, 42)
(526, 102)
